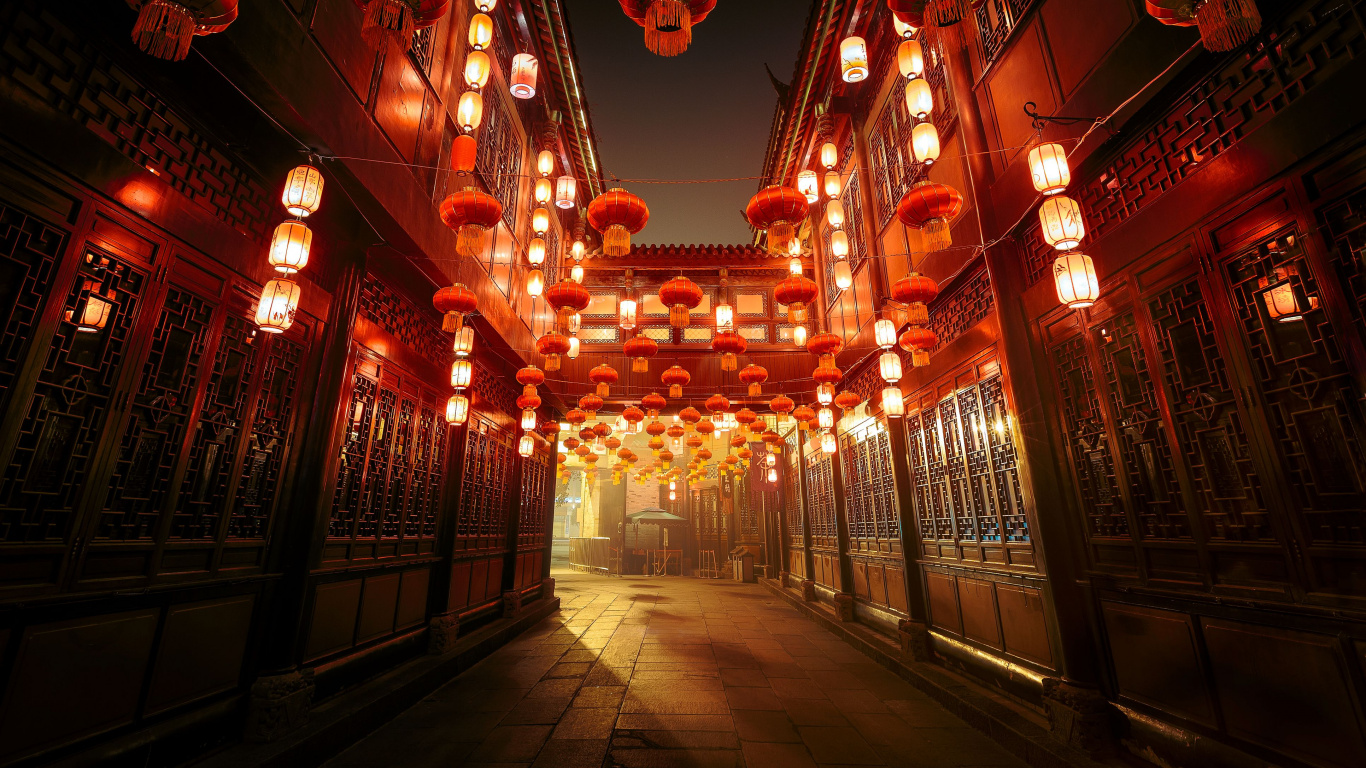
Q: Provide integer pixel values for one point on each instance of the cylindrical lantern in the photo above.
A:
(545, 163)
(839, 244)
(889, 365)
(93, 315)
(919, 99)
(773, 475)
(725, 316)
(462, 374)
(526, 446)
(844, 276)
(540, 221)
(910, 59)
(892, 404)
(289, 247)
(833, 184)
(578, 250)
(573, 347)
(830, 155)
(542, 191)
(528, 419)
(1063, 224)
(1074, 274)
(523, 77)
(464, 341)
(829, 445)
(535, 252)
(825, 418)
(566, 192)
(457, 410)
(903, 29)
(535, 283)
(825, 394)
(794, 266)
(481, 31)
(925, 143)
(303, 191)
(470, 111)
(576, 273)
(834, 214)
(853, 59)
(485, 5)
(477, 68)
(885, 332)
(627, 314)
(1048, 168)
(279, 301)
(809, 186)
(799, 335)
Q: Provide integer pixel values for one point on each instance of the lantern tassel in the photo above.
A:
(1227, 24)
(920, 358)
(388, 20)
(668, 27)
(616, 241)
(917, 313)
(470, 242)
(164, 29)
(640, 365)
(755, 390)
(603, 389)
(728, 362)
(780, 237)
(675, 390)
(452, 322)
(552, 363)
(937, 235)
(678, 318)
(796, 312)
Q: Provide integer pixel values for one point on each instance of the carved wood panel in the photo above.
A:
(792, 493)
(485, 495)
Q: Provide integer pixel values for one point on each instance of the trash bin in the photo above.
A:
(744, 568)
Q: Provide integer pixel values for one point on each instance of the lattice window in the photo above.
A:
(422, 48)
(820, 497)
(1084, 426)
(696, 335)
(661, 334)
(751, 305)
(482, 519)
(495, 392)
(870, 500)
(754, 333)
(894, 166)
(792, 493)
(531, 520)
(996, 19)
(599, 334)
(746, 510)
(499, 160)
(346, 498)
(1008, 503)
(267, 441)
(852, 201)
(969, 302)
(29, 250)
(405, 321)
(1345, 222)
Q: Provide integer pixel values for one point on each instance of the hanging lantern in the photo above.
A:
(844, 275)
(481, 31)
(915, 291)
(566, 192)
(576, 273)
(1224, 24)
(717, 404)
(706, 427)
(909, 14)
(889, 366)
(522, 81)
(690, 416)
(847, 401)
(528, 419)
(464, 154)
(825, 346)
(829, 445)
(454, 303)
(809, 186)
(799, 335)
(675, 378)
(289, 247)
(303, 191)
(573, 352)
(919, 341)
(754, 376)
(796, 292)
(853, 59)
(884, 332)
(827, 374)
(919, 99)
(552, 345)
(681, 296)
(728, 344)
(804, 416)
(533, 377)
(535, 283)
(462, 374)
(469, 111)
(746, 417)
(541, 191)
(540, 219)
(725, 316)
(92, 315)
(833, 184)
(575, 417)
(464, 342)
(1048, 169)
(640, 349)
(925, 143)
(834, 214)
(904, 30)
(1074, 274)
(477, 69)
(633, 416)
(825, 394)
(526, 446)
(794, 266)
(668, 23)
(617, 214)
(653, 403)
(931, 208)
(470, 213)
(569, 298)
(275, 311)
(545, 165)
(825, 418)
(778, 210)
(839, 244)
(457, 410)
(892, 404)
(910, 59)
(1063, 224)
(782, 405)
(535, 252)
(165, 29)
(830, 155)
(604, 376)
(626, 314)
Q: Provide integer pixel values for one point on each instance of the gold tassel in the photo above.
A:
(603, 389)
(388, 20)
(780, 238)
(920, 358)
(675, 390)
(616, 241)
(452, 322)
(164, 29)
(728, 362)
(796, 312)
(937, 236)
(755, 390)
(1227, 24)
(917, 314)
(470, 241)
(552, 363)
(668, 27)
(640, 365)
(678, 318)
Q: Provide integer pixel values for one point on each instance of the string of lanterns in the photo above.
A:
(290, 246)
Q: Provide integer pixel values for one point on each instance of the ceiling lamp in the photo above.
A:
(165, 29)
(303, 191)
(552, 345)
(853, 59)
(777, 210)
(470, 213)
(640, 349)
(681, 296)
(1048, 169)
(919, 341)
(728, 344)
(566, 192)
(931, 208)
(808, 184)
(668, 23)
(523, 77)
(796, 292)
(653, 403)
(617, 214)
(675, 378)
(1063, 223)
(754, 376)
(274, 312)
(1074, 275)
(1224, 24)
(604, 376)
(568, 298)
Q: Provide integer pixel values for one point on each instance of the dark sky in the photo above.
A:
(703, 114)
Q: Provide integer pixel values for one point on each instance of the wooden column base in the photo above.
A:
(442, 632)
(512, 604)
(915, 640)
(279, 704)
(809, 591)
(1080, 717)
(844, 606)
(547, 588)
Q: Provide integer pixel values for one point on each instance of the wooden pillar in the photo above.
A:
(808, 560)
(844, 598)
(443, 627)
(512, 597)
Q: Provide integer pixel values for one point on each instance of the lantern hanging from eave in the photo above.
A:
(278, 304)
(633, 416)
(464, 154)
(1063, 224)
(889, 366)
(675, 431)
(796, 293)
(529, 418)
(478, 66)
(728, 344)
(549, 428)
(910, 59)
(462, 374)
(481, 31)
(919, 98)
(893, 405)
(573, 352)
(668, 23)
(925, 143)
(552, 345)
(827, 374)
(568, 298)
(717, 404)
(782, 405)
(853, 59)
(675, 378)
(825, 346)
(754, 376)
(165, 29)
(604, 376)
(566, 192)
(1074, 275)
(931, 208)
(457, 410)
(454, 302)
(772, 440)
(681, 296)
(884, 332)
(289, 247)
(617, 214)
(808, 184)
(909, 12)
(779, 210)
(303, 191)
(640, 349)
(746, 417)
(469, 111)
(804, 416)
(522, 80)
(535, 283)
(530, 376)
(591, 404)
(471, 213)
(825, 394)
(1048, 169)
(653, 403)
(915, 291)
(919, 341)
(1224, 24)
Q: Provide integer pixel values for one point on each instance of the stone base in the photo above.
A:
(278, 705)
(844, 606)
(547, 588)
(1080, 717)
(512, 604)
(915, 640)
(809, 591)
(442, 632)
(785, 578)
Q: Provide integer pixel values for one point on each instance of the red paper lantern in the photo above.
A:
(675, 378)
(771, 438)
(804, 415)
(617, 214)
(915, 288)
(568, 298)
(796, 292)
(746, 417)
(531, 376)
(728, 344)
(681, 296)
(847, 401)
(706, 427)
(602, 430)
(931, 208)
(604, 376)
(827, 374)
(717, 404)
(633, 414)
(528, 402)
(779, 210)
(668, 23)
(825, 346)
(576, 417)
(655, 428)
(675, 431)
(592, 404)
(782, 405)
(471, 213)
(549, 428)
(165, 30)
(918, 341)
(640, 349)
(754, 376)
(464, 153)
(654, 403)
(745, 453)
(909, 11)
(1224, 24)
(690, 415)
(552, 345)
(454, 302)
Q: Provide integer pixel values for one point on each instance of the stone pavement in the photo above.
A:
(673, 672)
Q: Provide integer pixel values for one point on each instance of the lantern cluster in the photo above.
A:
(1063, 227)
(522, 70)
(290, 246)
(910, 61)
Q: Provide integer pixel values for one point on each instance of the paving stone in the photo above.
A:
(839, 745)
(744, 678)
(572, 753)
(582, 723)
(772, 755)
(511, 744)
(600, 696)
(536, 712)
(752, 698)
(764, 725)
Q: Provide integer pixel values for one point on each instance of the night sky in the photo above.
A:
(704, 114)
